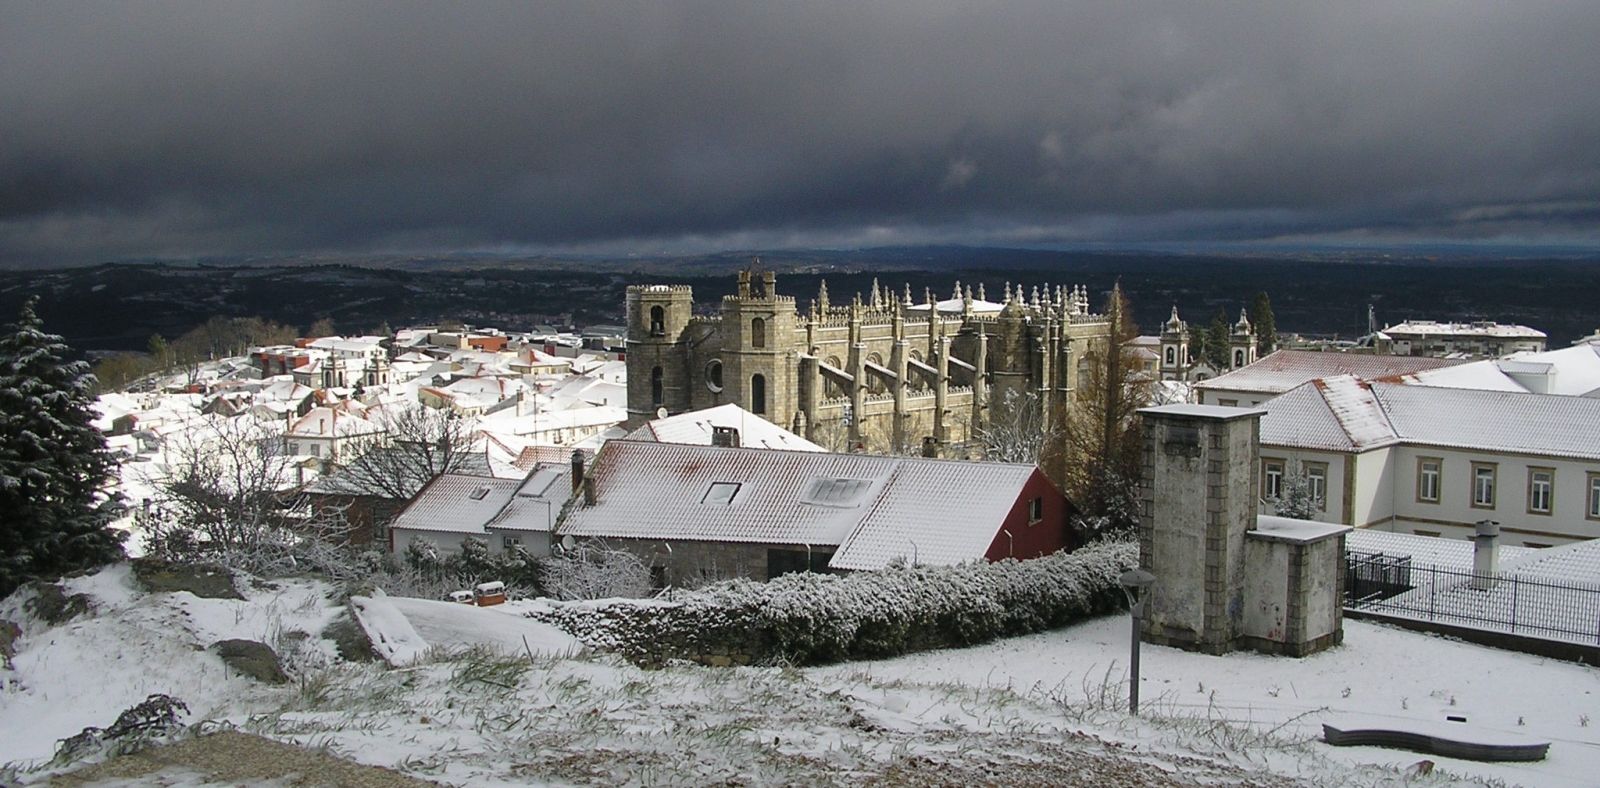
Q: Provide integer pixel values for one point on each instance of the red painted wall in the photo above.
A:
(493, 344)
(1031, 540)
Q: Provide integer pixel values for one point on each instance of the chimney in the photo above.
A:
(588, 491)
(577, 471)
(1485, 557)
(725, 436)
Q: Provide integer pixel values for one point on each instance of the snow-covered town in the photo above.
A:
(468, 556)
(730, 393)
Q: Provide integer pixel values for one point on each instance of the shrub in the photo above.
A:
(814, 618)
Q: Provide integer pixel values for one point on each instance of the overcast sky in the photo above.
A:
(267, 128)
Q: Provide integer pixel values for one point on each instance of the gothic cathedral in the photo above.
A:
(884, 373)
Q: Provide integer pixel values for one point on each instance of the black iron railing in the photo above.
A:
(1512, 602)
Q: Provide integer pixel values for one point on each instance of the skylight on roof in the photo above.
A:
(720, 493)
(837, 492)
(479, 494)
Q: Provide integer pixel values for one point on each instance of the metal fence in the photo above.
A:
(1513, 603)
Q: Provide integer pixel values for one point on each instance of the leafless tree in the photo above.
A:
(594, 572)
(1017, 430)
(229, 496)
(416, 445)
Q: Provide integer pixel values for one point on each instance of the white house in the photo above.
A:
(327, 434)
(1479, 339)
(505, 513)
(1434, 461)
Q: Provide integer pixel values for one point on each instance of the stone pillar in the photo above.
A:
(1201, 460)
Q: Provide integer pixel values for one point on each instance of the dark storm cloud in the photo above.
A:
(215, 128)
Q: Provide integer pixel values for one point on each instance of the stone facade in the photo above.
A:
(884, 373)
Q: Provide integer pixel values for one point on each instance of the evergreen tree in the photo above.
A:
(1295, 498)
(55, 513)
(1266, 326)
(1217, 340)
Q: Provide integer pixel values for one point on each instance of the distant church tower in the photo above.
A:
(1242, 343)
(1174, 348)
(758, 331)
(657, 317)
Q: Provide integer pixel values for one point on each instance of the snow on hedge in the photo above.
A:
(808, 618)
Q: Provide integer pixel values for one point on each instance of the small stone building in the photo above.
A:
(1226, 577)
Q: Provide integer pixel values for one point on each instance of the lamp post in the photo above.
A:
(1135, 583)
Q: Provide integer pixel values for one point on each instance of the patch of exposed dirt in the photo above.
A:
(235, 758)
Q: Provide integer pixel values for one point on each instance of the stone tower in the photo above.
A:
(758, 330)
(1241, 343)
(1174, 347)
(1009, 355)
(657, 317)
(1226, 578)
(1202, 460)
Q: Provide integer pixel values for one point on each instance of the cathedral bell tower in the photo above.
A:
(1174, 348)
(1241, 343)
(657, 356)
(759, 363)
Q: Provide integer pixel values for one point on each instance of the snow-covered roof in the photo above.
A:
(1343, 414)
(1485, 375)
(536, 502)
(327, 422)
(526, 421)
(1425, 328)
(696, 427)
(1284, 369)
(457, 503)
(957, 305)
(874, 508)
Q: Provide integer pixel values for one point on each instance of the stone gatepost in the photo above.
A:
(1198, 498)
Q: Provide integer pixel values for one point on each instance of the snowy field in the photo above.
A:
(1378, 672)
(472, 707)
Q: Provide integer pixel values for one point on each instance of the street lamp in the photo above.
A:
(1135, 583)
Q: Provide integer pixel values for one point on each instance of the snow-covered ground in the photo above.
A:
(474, 709)
(1378, 671)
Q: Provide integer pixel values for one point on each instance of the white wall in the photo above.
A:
(1374, 500)
(1454, 514)
(1240, 398)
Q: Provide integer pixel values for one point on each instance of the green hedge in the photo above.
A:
(815, 618)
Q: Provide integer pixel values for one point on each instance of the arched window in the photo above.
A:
(758, 333)
(1172, 356)
(1238, 358)
(758, 394)
(657, 396)
(658, 321)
